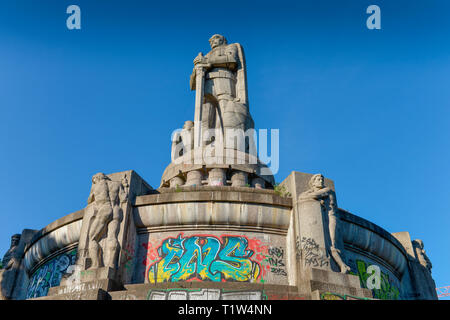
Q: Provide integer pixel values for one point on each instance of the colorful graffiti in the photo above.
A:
(50, 274)
(204, 257)
(387, 290)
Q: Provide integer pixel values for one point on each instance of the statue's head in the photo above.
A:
(98, 177)
(15, 240)
(188, 125)
(217, 40)
(419, 245)
(316, 181)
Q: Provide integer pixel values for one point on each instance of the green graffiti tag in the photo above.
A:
(387, 291)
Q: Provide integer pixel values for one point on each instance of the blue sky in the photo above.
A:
(366, 108)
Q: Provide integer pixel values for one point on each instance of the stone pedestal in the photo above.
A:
(86, 281)
(311, 240)
(323, 281)
(94, 294)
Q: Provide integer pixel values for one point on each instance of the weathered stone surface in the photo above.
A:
(318, 210)
(90, 294)
(14, 275)
(420, 266)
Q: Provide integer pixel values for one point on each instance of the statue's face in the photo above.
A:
(318, 181)
(14, 241)
(98, 177)
(216, 41)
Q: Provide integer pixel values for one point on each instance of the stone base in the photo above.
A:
(318, 281)
(87, 280)
(93, 294)
(206, 291)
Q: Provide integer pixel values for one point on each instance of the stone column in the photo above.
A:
(239, 179)
(176, 182)
(194, 178)
(217, 177)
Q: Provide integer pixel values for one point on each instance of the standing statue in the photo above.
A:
(421, 254)
(10, 262)
(327, 198)
(219, 78)
(107, 197)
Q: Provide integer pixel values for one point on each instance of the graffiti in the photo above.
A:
(337, 296)
(298, 248)
(205, 294)
(284, 296)
(275, 258)
(204, 258)
(128, 254)
(50, 274)
(387, 291)
(312, 254)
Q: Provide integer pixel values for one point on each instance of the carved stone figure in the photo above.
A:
(327, 198)
(107, 197)
(183, 141)
(10, 262)
(224, 101)
(9, 259)
(421, 254)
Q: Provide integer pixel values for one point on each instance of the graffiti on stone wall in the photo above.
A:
(337, 296)
(275, 258)
(387, 290)
(50, 274)
(312, 253)
(204, 257)
(204, 294)
(128, 254)
(269, 259)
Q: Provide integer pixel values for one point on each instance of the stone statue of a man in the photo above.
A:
(421, 254)
(226, 99)
(106, 196)
(9, 257)
(10, 262)
(327, 198)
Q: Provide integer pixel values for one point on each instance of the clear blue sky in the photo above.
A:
(367, 108)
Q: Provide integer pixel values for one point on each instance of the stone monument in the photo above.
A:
(218, 227)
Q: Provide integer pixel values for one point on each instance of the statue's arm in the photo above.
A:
(123, 196)
(315, 195)
(228, 60)
(91, 197)
(10, 264)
